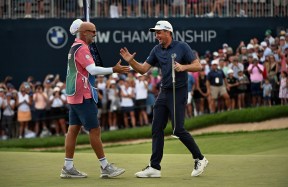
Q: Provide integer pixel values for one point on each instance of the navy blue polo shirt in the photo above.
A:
(161, 57)
(216, 77)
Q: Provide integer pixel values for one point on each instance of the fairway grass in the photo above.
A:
(237, 159)
(43, 169)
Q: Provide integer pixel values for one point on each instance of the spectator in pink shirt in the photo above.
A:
(255, 70)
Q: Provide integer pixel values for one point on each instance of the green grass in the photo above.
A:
(237, 159)
(231, 117)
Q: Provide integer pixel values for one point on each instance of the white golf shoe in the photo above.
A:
(148, 172)
(199, 166)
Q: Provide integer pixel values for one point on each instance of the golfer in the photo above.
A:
(163, 109)
(82, 98)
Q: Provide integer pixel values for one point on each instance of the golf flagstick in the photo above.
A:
(173, 56)
(92, 47)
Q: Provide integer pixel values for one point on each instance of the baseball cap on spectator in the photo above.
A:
(250, 46)
(115, 76)
(2, 90)
(215, 53)
(282, 33)
(112, 82)
(255, 57)
(59, 84)
(230, 71)
(263, 44)
(75, 26)
(162, 25)
(38, 83)
(268, 32)
(203, 62)
(250, 55)
(214, 62)
(8, 94)
(225, 45)
(282, 37)
(56, 89)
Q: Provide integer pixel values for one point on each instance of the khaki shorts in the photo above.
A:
(217, 91)
(24, 116)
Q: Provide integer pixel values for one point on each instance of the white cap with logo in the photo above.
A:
(162, 25)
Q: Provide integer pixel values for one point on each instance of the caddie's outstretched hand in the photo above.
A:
(126, 55)
(118, 68)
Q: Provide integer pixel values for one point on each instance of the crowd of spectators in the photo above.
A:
(146, 8)
(254, 74)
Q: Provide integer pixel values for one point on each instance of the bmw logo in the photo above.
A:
(57, 37)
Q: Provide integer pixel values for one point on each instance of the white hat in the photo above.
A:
(214, 62)
(250, 46)
(230, 71)
(75, 26)
(225, 45)
(203, 62)
(263, 44)
(115, 75)
(282, 37)
(255, 57)
(56, 89)
(112, 82)
(215, 53)
(162, 25)
(59, 84)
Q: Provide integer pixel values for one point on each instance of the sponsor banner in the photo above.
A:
(40, 46)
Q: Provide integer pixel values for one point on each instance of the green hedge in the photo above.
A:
(231, 117)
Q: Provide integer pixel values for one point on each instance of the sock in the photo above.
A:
(68, 163)
(103, 161)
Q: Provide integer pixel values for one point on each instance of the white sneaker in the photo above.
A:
(111, 171)
(149, 172)
(199, 167)
(211, 14)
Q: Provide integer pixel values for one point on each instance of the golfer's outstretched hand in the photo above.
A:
(126, 54)
(118, 68)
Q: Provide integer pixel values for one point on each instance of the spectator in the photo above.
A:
(242, 11)
(261, 8)
(132, 4)
(101, 8)
(283, 90)
(127, 105)
(202, 91)
(141, 94)
(148, 8)
(23, 103)
(194, 4)
(166, 4)
(255, 70)
(40, 103)
(232, 85)
(236, 66)
(223, 66)
(267, 90)
(190, 101)
(218, 83)
(28, 8)
(9, 114)
(70, 8)
(102, 111)
(41, 8)
(113, 104)
(242, 89)
(58, 111)
(2, 8)
(116, 9)
(178, 7)
(218, 6)
(269, 37)
(280, 7)
(2, 127)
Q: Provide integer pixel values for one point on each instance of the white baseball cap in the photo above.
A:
(214, 62)
(203, 61)
(75, 26)
(263, 44)
(162, 25)
(230, 71)
(250, 46)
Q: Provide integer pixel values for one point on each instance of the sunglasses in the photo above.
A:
(94, 32)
